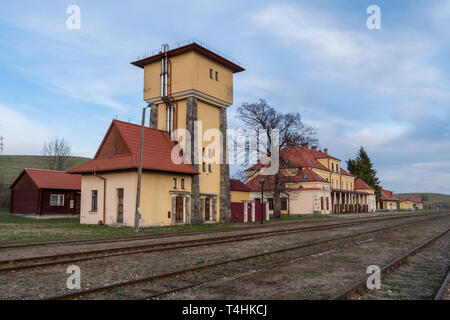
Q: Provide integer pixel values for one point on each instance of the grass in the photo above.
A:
(11, 166)
(20, 230)
(310, 274)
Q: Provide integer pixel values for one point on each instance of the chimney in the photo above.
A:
(325, 151)
(305, 145)
(314, 148)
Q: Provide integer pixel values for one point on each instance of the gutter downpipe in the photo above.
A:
(104, 196)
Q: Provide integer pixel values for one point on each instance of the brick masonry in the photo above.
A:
(191, 117)
(225, 194)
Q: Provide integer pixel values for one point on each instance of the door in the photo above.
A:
(207, 210)
(179, 209)
(119, 205)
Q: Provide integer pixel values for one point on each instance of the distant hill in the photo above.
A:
(431, 200)
(11, 166)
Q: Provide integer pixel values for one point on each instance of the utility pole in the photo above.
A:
(137, 217)
(262, 201)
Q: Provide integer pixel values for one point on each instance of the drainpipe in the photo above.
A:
(104, 196)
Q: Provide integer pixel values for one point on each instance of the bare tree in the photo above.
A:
(57, 153)
(291, 131)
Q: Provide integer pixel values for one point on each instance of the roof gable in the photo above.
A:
(112, 144)
(157, 151)
(236, 185)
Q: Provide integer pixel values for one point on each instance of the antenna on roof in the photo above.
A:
(313, 138)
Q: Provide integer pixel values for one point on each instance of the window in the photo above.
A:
(211, 73)
(183, 184)
(204, 167)
(283, 203)
(57, 200)
(175, 186)
(305, 176)
(94, 196)
(210, 168)
(217, 76)
(257, 200)
(332, 167)
(321, 203)
(116, 149)
(270, 203)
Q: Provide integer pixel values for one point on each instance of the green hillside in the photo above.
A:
(431, 200)
(11, 166)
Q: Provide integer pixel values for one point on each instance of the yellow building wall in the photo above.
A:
(308, 202)
(387, 205)
(209, 116)
(409, 205)
(156, 197)
(114, 181)
(190, 71)
(239, 196)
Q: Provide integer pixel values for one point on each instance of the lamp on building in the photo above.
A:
(262, 200)
(137, 217)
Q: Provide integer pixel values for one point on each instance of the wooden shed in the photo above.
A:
(45, 192)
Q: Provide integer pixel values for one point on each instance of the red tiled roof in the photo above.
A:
(295, 157)
(346, 173)
(361, 185)
(418, 200)
(319, 154)
(49, 179)
(387, 195)
(236, 185)
(305, 175)
(156, 152)
(191, 47)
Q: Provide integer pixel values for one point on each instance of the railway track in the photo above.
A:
(444, 290)
(189, 233)
(404, 285)
(56, 259)
(177, 274)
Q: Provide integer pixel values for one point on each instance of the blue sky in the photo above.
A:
(387, 89)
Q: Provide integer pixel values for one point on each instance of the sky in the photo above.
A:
(386, 89)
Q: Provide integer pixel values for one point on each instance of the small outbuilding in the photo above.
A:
(45, 192)
(239, 191)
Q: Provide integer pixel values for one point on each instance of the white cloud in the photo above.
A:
(22, 134)
(382, 62)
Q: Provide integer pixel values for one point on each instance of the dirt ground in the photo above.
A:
(40, 283)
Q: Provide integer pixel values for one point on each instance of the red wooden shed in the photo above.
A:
(45, 192)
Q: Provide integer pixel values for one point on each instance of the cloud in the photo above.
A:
(386, 63)
(22, 134)
(417, 177)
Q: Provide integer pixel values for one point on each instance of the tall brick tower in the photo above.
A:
(191, 88)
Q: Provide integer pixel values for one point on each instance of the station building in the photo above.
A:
(411, 203)
(313, 182)
(388, 201)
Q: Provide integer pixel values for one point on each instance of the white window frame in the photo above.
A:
(59, 202)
